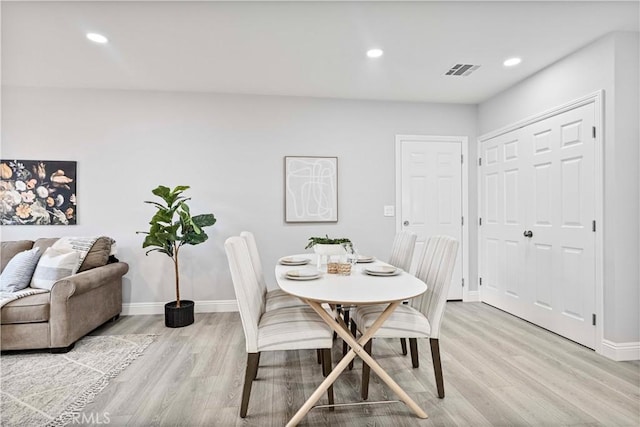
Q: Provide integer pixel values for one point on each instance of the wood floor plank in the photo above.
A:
(498, 370)
(611, 410)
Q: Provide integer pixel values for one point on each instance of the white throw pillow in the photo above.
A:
(17, 273)
(54, 265)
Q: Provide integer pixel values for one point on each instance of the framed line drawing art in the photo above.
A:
(311, 189)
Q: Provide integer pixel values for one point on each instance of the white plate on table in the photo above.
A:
(365, 258)
(290, 260)
(302, 274)
(382, 270)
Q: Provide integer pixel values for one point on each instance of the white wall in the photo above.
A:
(230, 149)
(610, 63)
(626, 181)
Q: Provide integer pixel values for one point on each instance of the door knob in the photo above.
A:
(528, 233)
(406, 223)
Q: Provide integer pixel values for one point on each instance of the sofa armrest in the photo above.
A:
(84, 301)
(86, 281)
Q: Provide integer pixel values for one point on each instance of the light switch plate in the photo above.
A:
(389, 210)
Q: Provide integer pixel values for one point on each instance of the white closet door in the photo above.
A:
(503, 246)
(431, 192)
(562, 249)
(539, 180)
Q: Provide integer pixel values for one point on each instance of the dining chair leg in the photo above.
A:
(326, 370)
(413, 347)
(255, 373)
(250, 374)
(354, 332)
(437, 365)
(339, 310)
(319, 355)
(345, 316)
(366, 372)
(403, 341)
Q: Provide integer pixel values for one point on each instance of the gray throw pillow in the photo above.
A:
(17, 274)
(98, 255)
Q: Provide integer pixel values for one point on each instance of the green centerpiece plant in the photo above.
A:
(325, 241)
(326, 247)
(171, 227)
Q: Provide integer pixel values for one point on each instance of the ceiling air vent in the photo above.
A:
(461, 70)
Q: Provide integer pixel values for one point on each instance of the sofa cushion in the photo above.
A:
(44, 243)
(98, 255)
(17, 274)
(9, 249)
(31, 309)
(53, 266)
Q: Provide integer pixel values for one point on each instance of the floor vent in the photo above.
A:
(462, 70)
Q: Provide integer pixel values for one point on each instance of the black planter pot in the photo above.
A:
(177, 317)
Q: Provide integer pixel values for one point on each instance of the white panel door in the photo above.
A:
(431, 196)
(537, 244)
(504, 200)
(562, 210)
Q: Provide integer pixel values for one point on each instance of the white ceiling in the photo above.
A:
(299, 48)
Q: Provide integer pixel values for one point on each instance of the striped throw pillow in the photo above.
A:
(54, 265)
(17, 274)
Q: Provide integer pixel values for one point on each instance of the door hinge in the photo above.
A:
(461, 158)
(463, 282)
(593, 226)
(462, 221)
(593, 319)
(481, 281)
(480, 221)
(479, 161)
(593, 131)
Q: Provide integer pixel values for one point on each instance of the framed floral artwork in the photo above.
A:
(311, 189)
(38, 192)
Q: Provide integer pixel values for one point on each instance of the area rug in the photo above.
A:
(43, 389)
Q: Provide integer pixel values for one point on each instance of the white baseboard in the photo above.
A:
(472, 296)
(621, 351)
(143, 308)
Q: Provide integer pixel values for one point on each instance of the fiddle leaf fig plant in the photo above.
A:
(173, 226)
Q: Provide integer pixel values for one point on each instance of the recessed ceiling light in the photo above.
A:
(97, 38)
(512, 61)
(375, 53)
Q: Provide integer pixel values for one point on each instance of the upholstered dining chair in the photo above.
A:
(421, 318)
(289, 328)
(402, 249)
(275, 298)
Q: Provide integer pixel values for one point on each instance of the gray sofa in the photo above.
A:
(75, 305)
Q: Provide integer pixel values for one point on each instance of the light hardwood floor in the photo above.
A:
(498, 370)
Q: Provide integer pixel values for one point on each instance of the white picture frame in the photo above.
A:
(311, 189)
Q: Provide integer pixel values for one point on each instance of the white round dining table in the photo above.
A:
(357, 288)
